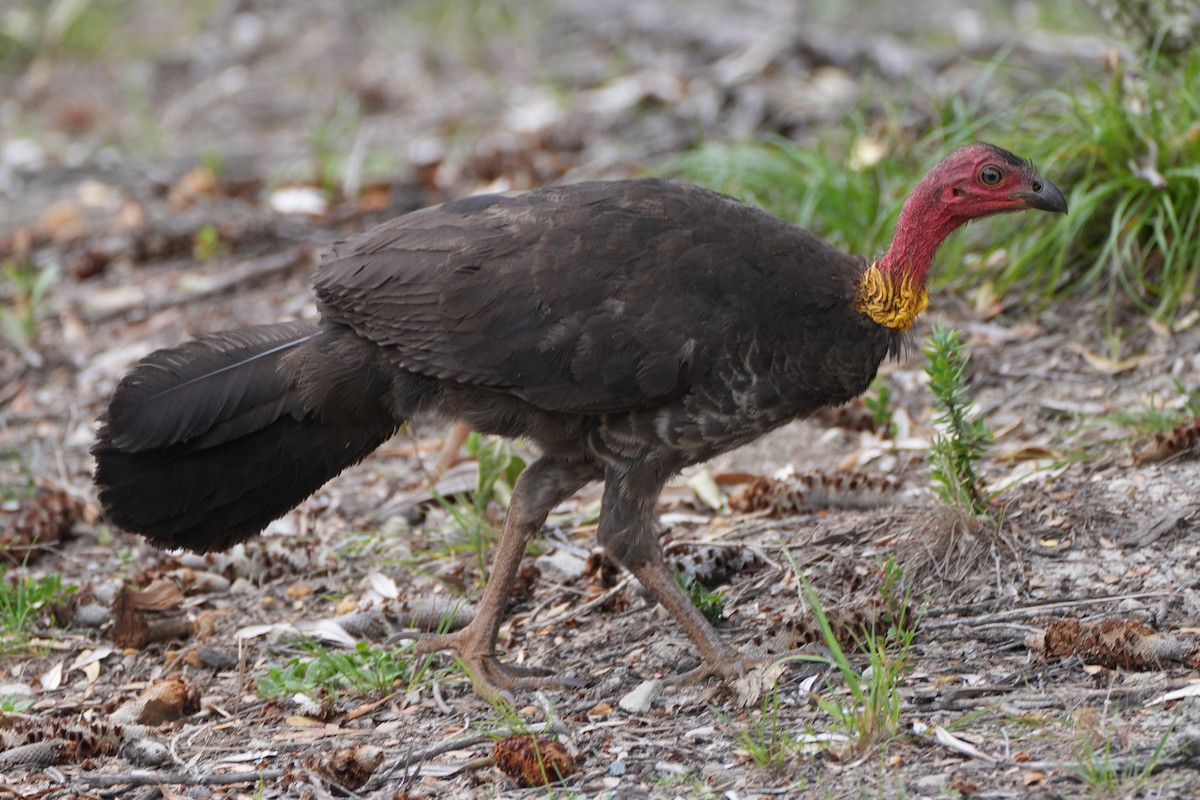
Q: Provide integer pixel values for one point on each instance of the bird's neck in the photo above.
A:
(892, 290)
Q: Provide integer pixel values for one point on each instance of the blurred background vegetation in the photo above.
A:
(1103, 94)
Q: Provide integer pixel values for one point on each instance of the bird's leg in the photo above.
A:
(544, 484)
(628, 530)
(719, 657)
(448, 455)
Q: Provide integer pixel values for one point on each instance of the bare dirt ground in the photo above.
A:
(153, 692)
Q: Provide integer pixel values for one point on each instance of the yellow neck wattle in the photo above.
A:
(893, 301)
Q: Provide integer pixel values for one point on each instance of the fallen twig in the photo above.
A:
(1037, 610)
(140, 778)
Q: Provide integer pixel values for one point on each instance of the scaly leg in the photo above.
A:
(543, 485)
(719, 658)
(448, 455)
(629, 531)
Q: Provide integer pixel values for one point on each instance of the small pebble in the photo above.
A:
(561, 566)
(640, 699)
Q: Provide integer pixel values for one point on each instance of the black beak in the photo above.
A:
(1044, 196)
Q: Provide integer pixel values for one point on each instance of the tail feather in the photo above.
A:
(218, 385)
(205, 444)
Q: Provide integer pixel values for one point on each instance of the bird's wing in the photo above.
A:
(588, 298)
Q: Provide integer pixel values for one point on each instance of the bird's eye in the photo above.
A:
(990, 176)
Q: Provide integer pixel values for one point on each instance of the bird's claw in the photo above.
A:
(493, 679)
(727, 668)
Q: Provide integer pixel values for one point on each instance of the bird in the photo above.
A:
(627, 328)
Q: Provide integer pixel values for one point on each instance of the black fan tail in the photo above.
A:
(205, 444)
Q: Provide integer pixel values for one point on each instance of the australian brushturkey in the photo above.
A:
(629, 328)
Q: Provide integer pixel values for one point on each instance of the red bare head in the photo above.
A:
(974, 181)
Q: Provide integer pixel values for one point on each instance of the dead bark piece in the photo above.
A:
(1183, 438)
(1162, 526)
(43, 520)
(797, 494)
(135, 626)
(163, 701)
(350, 767)
(382, 619)
(1113, 644)
(533, 761)
(431, 613)
(160, 595)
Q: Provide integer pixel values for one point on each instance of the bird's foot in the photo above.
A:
(493, 679)
(731, 666)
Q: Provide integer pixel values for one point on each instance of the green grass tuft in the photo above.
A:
(815, 189)
(871, 716)
(763, 736)
(22, 601)
(25, 289)
(878, 402)
(1126, 150)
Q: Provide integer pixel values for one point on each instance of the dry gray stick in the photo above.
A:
(1034, 610)
(176, 778)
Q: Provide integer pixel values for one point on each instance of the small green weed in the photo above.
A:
(710, 604)
(469, 29)
(25, 287)
(14, 705)
(25, 488)
(331, 141)
(22, 600)
(29, 30)
(499, 468)
(961, 440)
(687, 781)
(206, 243)
(364, 671)
(878, 402)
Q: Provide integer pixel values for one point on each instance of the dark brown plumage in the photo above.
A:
(629, 328)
